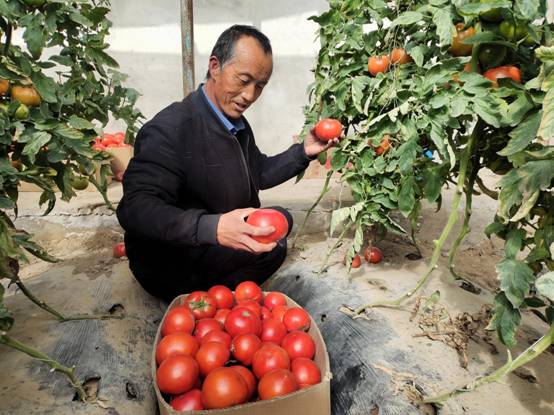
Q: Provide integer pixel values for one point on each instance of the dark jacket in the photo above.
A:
(187, 170)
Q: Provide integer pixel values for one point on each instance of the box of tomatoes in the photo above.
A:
(243, 352)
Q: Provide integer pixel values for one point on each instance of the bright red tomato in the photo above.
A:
(176, 344)
(328, 129)
(499, 72)
(224, 387)
(248, 377)
(373, 255)
(269, 357)
(266, 313)
(201, 304)
(178, 320)
(217, 336)
(242, 321)
(273, 331)
(296, 318)
(273, 299)
(118, 139)
(190, 401)
(223, 296)
(377, 64)
(249, 290)
(212, 355)
(305, 371)
(205, 326)
(253, 306)
(298, 344)
(262, 218)
(278, 382)
(221, 315)
(177, 374)
(108, 140)
(279, 312)
(119, 250)
(244, 346)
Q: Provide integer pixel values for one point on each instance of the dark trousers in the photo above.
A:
(205, 266)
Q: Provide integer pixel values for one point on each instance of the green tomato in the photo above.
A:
(22, 112)
(493, 15)
(79, 183)
(512, 31)
(491, 56)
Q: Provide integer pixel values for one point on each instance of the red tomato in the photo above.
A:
(190, 401)
(356, 261)
(118, 139)
(248, 377)
(273, 331)
(384, 146)
(177, 374)
(119, 250)
(212, 355)
(244, 346)
(224, 387)
(399, 56)
(266, 313)
(298, 344)
(377, 64)
(222, 295)
(305, 371)
(201, 304)
(328, 129)
(278, 382)
(108, 140)
(176, 344)
(269, 357)
(253, 306)
(279, 312)
(503, 72)
(268, 217)
(221, 315)
(296, 318)
(273, 299)
(205, 326)
(217, 336)
(249, 290)
(178, 320)
(242, 321)
(373, 255)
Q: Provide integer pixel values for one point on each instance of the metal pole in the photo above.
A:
(187, 46)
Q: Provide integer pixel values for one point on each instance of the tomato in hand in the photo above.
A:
(298, 344)
(305, 371)
(377, 64)
(327, 129)
(201, 304)
(190, 401)
(278, 382)
(500, 72)
(268, 217)
(457, 48)
(373, 255)
(177, 374)
(178, 320)
(244, 346)
(222, 295)
(224, 387)
(176, 344)
(269, 357)
(249, 290)
(296, 318)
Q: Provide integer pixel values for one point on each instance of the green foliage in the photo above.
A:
(431, 106)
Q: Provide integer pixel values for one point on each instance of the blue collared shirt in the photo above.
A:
(232, 126)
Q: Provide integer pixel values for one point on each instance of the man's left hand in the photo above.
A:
(313, 146)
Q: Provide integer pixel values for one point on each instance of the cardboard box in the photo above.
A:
(315, 400)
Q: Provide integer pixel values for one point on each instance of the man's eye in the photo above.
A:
(244, 81)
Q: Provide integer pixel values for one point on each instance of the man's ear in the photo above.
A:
(214, 67)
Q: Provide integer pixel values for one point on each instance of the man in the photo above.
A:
(195, 178)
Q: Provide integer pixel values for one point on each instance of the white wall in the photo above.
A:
(146, 41)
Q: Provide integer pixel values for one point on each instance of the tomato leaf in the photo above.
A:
(407, 18)
(445, 28)
(38, 139)
(476, 8)
(527, 9)
(522, 135)
(505, 320)
(515, 279)
(545, 285)
(406, 196)
(546, 128)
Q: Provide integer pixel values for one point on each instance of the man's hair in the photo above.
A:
(225, 46)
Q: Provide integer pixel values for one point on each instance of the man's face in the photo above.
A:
(236, 85)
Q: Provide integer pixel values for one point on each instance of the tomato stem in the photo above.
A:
(103, 191)
(55, 365)
(524, 357)
(335, 245)
(452, 219)
(325, 189)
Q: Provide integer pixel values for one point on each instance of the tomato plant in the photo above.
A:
(265, 218)
(446, 132)
(224, 387)
(328, 129)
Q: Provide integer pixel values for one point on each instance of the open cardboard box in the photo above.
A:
(315, 400)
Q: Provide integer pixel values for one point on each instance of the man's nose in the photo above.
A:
(249, 93)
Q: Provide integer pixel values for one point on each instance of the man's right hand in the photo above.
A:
(234, 232)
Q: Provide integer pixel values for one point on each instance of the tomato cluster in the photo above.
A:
(372, 255)
(221, 349)
(379, 64)
(109, 140)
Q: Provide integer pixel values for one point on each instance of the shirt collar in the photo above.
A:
(233, 126)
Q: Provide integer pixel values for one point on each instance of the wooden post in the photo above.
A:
(187, 46)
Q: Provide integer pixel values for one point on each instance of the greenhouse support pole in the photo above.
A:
(187, 46)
